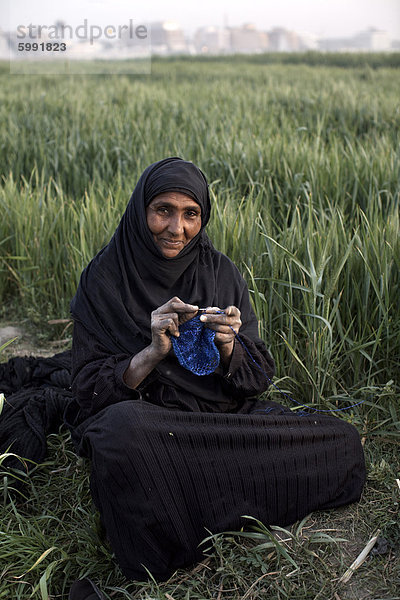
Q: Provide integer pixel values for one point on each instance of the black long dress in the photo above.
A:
(167, 467)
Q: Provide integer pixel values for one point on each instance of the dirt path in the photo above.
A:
(27, 342)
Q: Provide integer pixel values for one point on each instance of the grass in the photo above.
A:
(304, 175)
(53, 536)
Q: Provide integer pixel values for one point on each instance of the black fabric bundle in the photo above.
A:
(37, 392)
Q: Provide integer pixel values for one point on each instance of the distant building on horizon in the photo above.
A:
(248, 40)
(370, 40)
(307, 41)
(212, 40)
(223, 40)
(167, 37)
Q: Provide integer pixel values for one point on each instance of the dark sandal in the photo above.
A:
(85, 589)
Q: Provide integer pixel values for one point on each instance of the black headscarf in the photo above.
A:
(130, 277)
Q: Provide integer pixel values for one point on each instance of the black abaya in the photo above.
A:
(183, 454)
(162, 479)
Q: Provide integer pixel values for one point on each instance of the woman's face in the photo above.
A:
(174, 220)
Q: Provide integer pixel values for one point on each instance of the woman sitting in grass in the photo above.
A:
(166, 394)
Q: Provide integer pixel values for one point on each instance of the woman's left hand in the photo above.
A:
(222, 324)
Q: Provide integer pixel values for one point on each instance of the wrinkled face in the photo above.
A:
(174, 219)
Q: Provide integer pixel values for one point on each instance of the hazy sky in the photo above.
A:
(325, 18)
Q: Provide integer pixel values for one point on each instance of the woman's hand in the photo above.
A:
(165, 322)
(225, 326)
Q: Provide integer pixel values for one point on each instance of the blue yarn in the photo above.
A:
(195, 348)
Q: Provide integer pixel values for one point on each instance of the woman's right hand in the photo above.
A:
(165, 322)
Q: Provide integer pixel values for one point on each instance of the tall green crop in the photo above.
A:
(304, 174)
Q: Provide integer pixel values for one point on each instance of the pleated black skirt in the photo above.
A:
(162, 479)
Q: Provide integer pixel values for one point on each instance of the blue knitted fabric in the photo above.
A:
(195, 348)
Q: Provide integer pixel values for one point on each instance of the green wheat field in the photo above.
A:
(303, 158)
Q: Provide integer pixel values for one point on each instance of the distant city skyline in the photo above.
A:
(324, 18)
